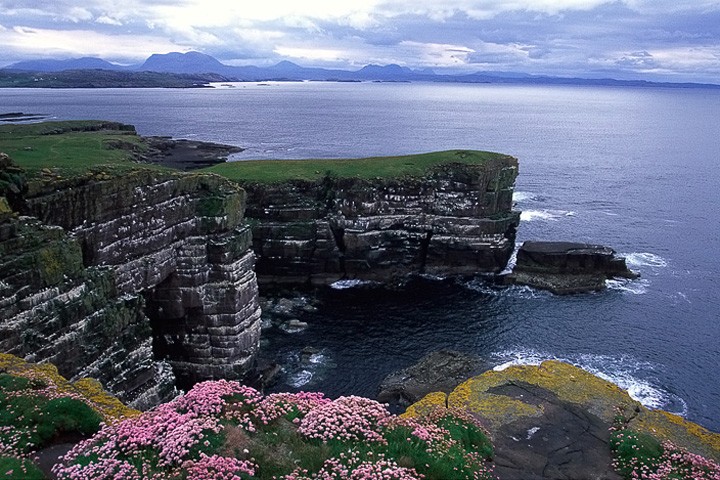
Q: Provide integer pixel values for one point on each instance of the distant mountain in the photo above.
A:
(386, 72)
(49, 65)
(205, 66)
(174, 62)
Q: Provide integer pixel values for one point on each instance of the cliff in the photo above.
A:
(119, 276)
(452, 218)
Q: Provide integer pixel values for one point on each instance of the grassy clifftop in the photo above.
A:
(71, 147)
(273, 171)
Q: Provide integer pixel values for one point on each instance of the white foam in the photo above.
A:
(317, 358)
(522, 196)
(345, 284)
(517, 291)
(531, 432)
(623, 371)
(634, 287)
(547, 215)
(300, 378)
(644, 259)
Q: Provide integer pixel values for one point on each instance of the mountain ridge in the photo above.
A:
(197, 63)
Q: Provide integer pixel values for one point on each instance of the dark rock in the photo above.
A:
(565, 442)
(438, 371)
(566, 267)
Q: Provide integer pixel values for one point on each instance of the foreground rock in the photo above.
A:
(566, 267)
(132, 279)
(438, 371)
(456, 219)
(552, 421)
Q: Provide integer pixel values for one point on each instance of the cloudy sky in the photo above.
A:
(676, 40)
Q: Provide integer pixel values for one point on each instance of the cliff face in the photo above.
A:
(456, 219)
(112, 268)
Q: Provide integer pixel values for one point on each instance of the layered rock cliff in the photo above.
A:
(455, 219)
(115, 276)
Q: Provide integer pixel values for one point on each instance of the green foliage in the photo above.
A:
(37, 419)
(635, 451)
(70, 415)
(273, 171)
(471, 436)
(279, 449)
(12, 468)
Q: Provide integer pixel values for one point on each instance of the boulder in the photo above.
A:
(438, 371)
(567, 267)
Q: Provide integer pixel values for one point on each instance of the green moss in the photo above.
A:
(59, 260)
(12, 468)
(273, 171)
(635, 451)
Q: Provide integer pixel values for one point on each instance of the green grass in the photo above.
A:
(274, 171)
(38, 419)
(635, 451)
(12, 468)
(70, 147)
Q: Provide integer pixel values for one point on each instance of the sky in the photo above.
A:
(667, 40)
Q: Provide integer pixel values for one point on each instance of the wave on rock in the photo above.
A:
(624, 371)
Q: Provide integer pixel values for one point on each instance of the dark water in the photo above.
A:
(636, 169)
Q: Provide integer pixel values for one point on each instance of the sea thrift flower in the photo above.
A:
(346, 419)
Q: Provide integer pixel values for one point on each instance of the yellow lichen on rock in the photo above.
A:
(5, 209)
(426, 404)
(483, 396)
(90, 390)
(667, 426)
(496, 410)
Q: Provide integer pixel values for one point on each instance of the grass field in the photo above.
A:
(74, 147)
(272, 171)
(69, 147)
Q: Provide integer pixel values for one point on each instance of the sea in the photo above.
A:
(636, 169)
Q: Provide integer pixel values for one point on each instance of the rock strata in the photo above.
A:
(566, 267)
(133, 280)
(457, 219)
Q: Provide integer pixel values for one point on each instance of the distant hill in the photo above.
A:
(49, 65)
(105, 79)
(191, 62)
(200, 66)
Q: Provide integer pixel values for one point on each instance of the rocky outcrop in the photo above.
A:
(455, 219)
(566, 267)
(553, 421)
(438, 371)
(132, 279)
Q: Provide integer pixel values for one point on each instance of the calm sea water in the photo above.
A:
(636, 169)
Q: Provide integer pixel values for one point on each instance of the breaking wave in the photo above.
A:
(628, 373)
(644, 259)
(550, 215)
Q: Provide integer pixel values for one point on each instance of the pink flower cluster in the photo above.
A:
(159, 439)
(277, 405)
(674, 463)
(216, 467)
(351, 467)
(180, 439)
(345, 419)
